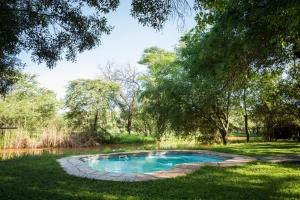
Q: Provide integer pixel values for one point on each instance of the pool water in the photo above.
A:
(147, 163)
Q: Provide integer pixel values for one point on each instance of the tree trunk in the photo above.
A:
(94, 128)
(224, 134)
(225, 124)
(246, 116)
(129, 121)
(246, 128)
(145, 129)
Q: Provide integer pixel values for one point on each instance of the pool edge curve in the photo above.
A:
(74, 165)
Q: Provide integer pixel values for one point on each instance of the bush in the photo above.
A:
(285, 130)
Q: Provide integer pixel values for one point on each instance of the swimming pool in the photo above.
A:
(145, 163)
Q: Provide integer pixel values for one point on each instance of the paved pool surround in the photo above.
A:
(74, 165)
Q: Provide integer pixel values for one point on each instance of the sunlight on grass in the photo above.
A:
(36, 176)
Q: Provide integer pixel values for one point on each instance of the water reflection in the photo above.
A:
(105, 148)
(13, 153)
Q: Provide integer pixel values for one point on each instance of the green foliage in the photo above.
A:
(233, 65)
(8, 76)
(88, 103)
(238, 69)
(127, 77)
(129, 139)
(269, 29)
(182, 99)
(51, 31)
(157, 85)
(155, 13)
(275, 105)
(33, 110)
(28, 106)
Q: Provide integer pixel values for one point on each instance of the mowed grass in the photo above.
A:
(41, 177)
(257, 149)
(130, 139)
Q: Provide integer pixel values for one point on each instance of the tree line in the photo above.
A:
(240, 62)
(237, 69)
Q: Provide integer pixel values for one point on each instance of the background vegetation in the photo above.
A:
(237, 70)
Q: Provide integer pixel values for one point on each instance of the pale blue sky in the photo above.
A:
(124, 45)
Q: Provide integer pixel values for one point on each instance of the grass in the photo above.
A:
(240, 137)
(255, 149)
(130, 139)
(41, 177)
(242, 134)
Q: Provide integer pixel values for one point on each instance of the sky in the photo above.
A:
(124, 45)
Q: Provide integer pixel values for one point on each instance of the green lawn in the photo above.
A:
(129, 139)
(41, 177)
(257, 149)
(241, 134)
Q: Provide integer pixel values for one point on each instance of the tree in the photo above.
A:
(269, 29)
(232, 40)
(277, 100)
(28, 106)
(155, 103)
(88, 102)
(290, 89)
(49, 29)
(144, 122)
(9, 75)
(128, 79)
(155, 13)
(267, 36)
(52, 30)
(211, 60)
(173, 98)
(249, 36)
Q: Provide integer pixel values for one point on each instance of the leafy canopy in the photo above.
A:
(88, 101)
(28, 106)
(52, 30)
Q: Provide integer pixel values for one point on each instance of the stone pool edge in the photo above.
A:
(73, 165)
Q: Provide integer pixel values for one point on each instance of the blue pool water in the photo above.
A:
(147, 163)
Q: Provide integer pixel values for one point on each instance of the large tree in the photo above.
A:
(51, 30)
(127, 77)
(247, 38)
(88, 103)
(28, 106)
(180, 102)
(269, 29)
(156, 87)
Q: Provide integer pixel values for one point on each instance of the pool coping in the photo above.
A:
(74, 165)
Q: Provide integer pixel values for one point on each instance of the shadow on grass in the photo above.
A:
(41, 177)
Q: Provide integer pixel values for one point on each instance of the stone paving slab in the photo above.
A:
(280, 158)
(76, 165)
